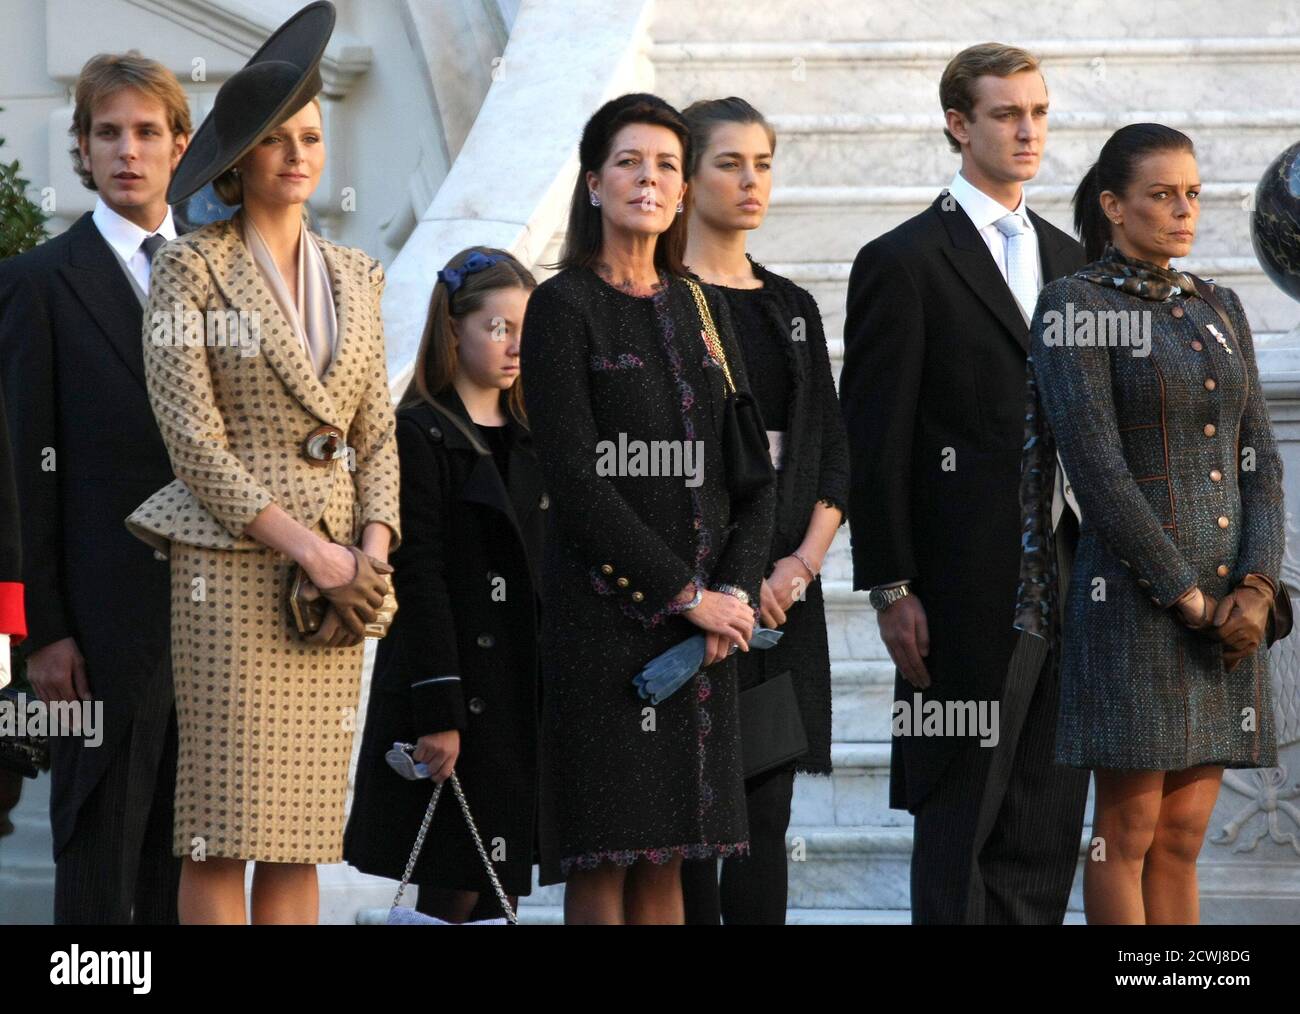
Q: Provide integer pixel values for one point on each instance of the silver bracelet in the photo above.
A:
(807, 566)
(699, 597)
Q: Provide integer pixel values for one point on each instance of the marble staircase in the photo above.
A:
(852, 91)
(851, 87)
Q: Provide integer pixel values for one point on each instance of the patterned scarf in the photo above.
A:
(1138, 278)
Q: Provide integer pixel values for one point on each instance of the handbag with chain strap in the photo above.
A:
(399, 758)
(744, 437)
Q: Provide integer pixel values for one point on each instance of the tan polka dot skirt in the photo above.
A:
(265, 720)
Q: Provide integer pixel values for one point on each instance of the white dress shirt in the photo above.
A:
(983, 211)
(125, 238)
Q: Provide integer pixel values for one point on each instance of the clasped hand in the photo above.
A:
(1238, 620)
(355, 601)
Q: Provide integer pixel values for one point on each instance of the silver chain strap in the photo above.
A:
(478, 842)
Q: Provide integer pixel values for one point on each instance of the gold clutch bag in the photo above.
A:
(307, 606)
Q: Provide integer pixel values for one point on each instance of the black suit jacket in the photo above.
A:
(933, 395)
(87, 452)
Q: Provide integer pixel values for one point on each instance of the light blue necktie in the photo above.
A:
(1022, 272)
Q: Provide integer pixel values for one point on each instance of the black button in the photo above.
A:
(477, 705)
(435, 433)
(486, 640)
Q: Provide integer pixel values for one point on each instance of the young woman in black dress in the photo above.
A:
(780, 333)
(637, 563)
(457, 673)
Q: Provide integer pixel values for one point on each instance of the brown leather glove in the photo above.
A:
(357, 602)
(332, 633)
(1241, 618)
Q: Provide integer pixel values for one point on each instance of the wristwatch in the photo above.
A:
(882, 598)
(734, 591)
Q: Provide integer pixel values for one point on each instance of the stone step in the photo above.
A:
(851, 630)
(856, 793)
(822, 149)
(902, 76)
(863, 868)
(26, 863)
(553, 915)
(781, 21)
(862, 693)
(822, 224)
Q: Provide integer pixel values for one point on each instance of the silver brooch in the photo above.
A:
(1219, 338)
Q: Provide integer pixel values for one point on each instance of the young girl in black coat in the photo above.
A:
(457, 673)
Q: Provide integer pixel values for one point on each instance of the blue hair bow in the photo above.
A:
(454, 278)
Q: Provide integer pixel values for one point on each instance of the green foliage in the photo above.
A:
(22, 222)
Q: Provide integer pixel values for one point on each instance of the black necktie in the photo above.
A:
(151, 244)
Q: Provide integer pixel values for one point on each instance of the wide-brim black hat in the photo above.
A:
(278, 80)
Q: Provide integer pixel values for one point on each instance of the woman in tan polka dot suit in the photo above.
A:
(265, 717)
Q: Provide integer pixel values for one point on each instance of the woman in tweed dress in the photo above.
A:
(1164, 435)
(636, 563)
(265, 717)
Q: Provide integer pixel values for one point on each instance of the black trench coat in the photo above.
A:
(461, 654)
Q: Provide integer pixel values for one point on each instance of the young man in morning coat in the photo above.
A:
(933, 394)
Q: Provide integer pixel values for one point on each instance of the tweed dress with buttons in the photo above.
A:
(264, 719)
(1173, 462)
(623, 780)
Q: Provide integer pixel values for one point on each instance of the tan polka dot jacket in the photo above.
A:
(236, 397)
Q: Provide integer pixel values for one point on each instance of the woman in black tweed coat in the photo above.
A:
(779, 328)
(638, 559)
(1163, 432)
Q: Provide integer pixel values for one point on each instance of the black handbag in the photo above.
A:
(27, 753)
(1280, 619)
(771, 727)
(744, 437)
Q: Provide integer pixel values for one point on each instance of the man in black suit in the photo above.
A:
(86, 453)
(933, 394)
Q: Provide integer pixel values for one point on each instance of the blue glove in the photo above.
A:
(664, 675)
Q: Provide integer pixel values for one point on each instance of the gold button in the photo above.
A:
(622, 582)
(607, 569)
(1143, 583)
(1197, 346)
(1209, 383)
(1209, 429)
(637, 597)
(1222, 570)
(1177, 311)
(1223, 522)
(1215, 475)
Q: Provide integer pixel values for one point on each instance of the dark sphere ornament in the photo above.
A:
(1275, 225)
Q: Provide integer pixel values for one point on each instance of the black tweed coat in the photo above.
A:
(1173, 462)
(816, 458)
(622, 781)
